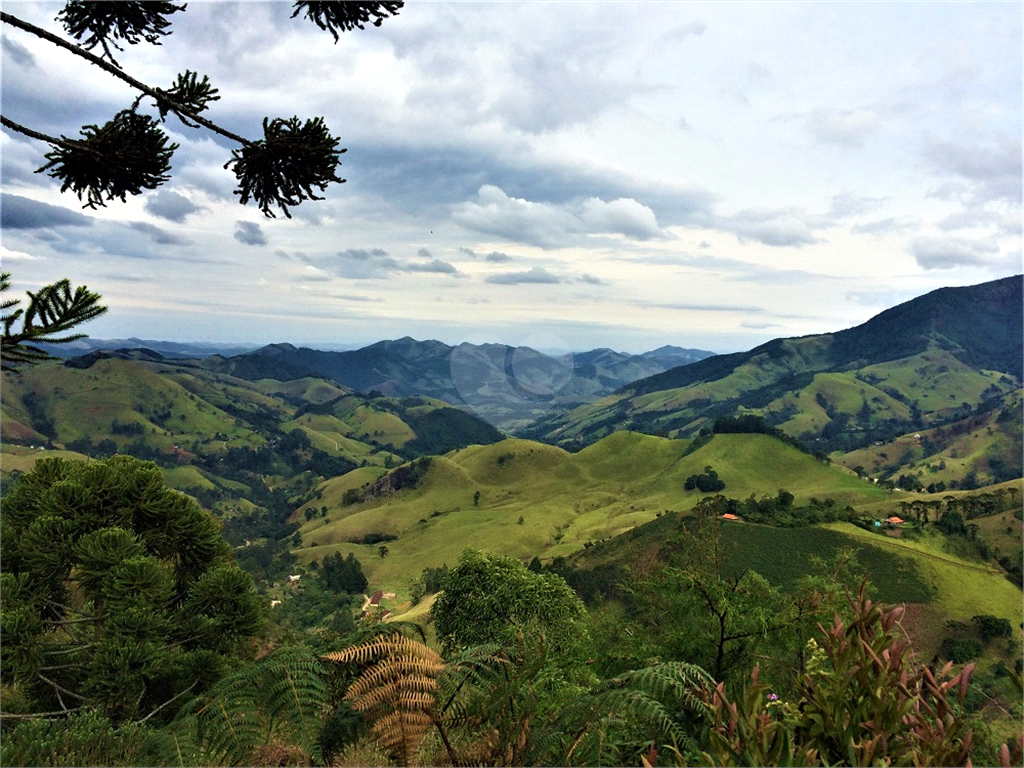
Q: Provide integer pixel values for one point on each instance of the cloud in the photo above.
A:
(947, 253)
(591, 280)
(678, 34)
(623, 216)
(170, 205)
(362, 264)
(700, 307)
(980, 218)
(550, 225)
(884, 226)
(534, 275)
(18, 212)
(497, 257)
(992, 171)
(495, 213)
(18, 53)
(249, 233)
(159, 236)
(6, 255)
(842, 127)
(545, 93)
(788, 227)
(426, 254)
(847, 204)
(435, 265)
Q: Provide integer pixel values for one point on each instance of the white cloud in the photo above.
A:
(548, 225)
(534, 275)
(843, 127)
(947, 253)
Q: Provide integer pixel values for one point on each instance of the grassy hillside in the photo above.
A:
(937, 586)
(982, 447)
(918, 366)
(247, 450)
(537, 499)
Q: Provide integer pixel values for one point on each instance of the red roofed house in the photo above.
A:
(377, 596)
(730, 516)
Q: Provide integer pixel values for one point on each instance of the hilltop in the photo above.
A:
(526, 499)
(931, 361)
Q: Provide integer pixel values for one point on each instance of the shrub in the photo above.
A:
(960, 650)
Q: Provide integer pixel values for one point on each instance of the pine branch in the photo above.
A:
(155, 93)
(37, 715)
(54, 309)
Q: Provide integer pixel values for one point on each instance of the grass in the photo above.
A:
(963, 588)
(782, 555)
(1002, 532)
(565, 500)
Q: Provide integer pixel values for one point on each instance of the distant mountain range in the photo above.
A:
(932, 360)
(508, 386)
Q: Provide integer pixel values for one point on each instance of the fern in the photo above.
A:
(283, 696)
(397, 690)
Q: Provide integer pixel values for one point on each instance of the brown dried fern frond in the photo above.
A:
(397, 691)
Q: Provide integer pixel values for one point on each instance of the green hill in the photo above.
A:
(236, 445)
(917, 366)
(525, 499)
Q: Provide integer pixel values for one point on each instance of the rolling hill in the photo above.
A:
(222, 438)
(922, 364)
(525, 499)
(507, 386)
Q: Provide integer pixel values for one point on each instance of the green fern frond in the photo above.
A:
(283, 695)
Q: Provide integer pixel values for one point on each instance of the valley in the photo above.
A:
(803, 457)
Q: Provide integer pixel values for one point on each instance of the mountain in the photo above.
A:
(507, 386)
(921, 364)
(220, 437)
(182, 350)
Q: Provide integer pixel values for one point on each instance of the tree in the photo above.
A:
(131, 152)
(118, 592)
(53, 310)
(694, 608)
(491, 599)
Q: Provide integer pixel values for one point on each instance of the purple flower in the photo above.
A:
(773, 697)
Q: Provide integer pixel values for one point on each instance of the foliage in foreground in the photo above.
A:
(118, 592)
(863, 699)
(53, 310)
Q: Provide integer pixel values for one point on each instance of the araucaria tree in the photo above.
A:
(131, 152)
(52, 311)
(118, 592)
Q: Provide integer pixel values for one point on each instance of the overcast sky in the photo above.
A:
(560, 174)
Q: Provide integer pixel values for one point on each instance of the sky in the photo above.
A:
(565, 175)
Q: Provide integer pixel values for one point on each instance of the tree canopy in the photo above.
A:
(118, 592)
(489, 598)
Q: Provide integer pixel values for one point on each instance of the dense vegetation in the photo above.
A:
(692, 664)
